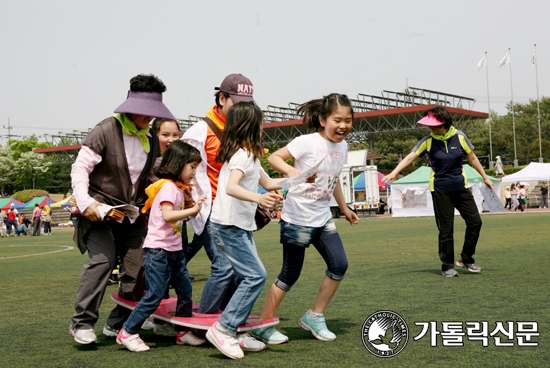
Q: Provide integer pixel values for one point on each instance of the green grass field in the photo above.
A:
(393, 265)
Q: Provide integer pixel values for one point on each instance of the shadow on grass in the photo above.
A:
(337, 326)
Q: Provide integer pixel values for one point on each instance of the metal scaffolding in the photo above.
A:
(389, 113)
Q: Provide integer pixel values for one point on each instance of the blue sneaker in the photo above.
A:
(269, 335)
(317, 326)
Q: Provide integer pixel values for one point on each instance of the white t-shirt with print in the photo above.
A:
(309, 204)
(230, 211)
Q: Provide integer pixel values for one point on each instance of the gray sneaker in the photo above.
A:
(451, 272)
(472, 267)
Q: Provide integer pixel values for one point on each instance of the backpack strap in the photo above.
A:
(214, 128)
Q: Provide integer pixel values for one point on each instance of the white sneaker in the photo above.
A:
(189, 338)
(132, 342)
(227, 344)
(165, 329)
(248, 343)
(83, 336)
(147, 325)
(109, 331)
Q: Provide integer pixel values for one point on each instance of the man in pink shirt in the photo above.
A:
(36, 220)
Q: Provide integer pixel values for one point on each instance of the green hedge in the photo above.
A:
(507, 170)
(27, 195)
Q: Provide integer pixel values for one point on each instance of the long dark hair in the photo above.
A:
(441, 114)
(243, 129)
(177, 155)
(322, 107)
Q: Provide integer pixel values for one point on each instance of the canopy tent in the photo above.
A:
(42, 201)
(5, 203)
(63, 203)
(411, 196)
(535, 171)
(359, 182)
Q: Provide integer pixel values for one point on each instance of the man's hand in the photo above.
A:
(92, 213)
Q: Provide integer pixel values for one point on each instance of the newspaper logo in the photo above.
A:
(385, 334)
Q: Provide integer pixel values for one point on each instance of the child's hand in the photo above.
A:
(188, 201)
(268, 200)
(293, 172)
(197, 207)
(351, 216)
(311, 179)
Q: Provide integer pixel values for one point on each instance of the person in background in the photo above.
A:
(544, 195)
(508, 197)
(47, 220)
(24, 223)
(36, 213)
(12, 220)
(514, 191)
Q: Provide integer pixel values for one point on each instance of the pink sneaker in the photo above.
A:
(224, 342)
(189, 338)
(132, 342)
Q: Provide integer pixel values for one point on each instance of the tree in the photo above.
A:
(7, 166)
(31, 166)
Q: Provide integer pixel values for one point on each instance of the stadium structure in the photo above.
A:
(390, 113)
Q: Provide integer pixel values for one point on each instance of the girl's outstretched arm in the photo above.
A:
(339, 197)
(277, 161)
(411, 157)
(171, 215)
(269, 184)
(234, 190)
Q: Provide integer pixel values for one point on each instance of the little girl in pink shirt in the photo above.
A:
(164, 258)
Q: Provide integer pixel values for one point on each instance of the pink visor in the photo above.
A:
(430, 120)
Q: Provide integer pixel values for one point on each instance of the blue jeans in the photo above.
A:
(238, 254)
(160, 266)
(296, 239)
(9, 224)
(220, 278)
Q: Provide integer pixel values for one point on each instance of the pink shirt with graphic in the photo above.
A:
(162, 234)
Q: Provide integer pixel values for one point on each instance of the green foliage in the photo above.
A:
(268, 169)
(506, 170)
(28, 194)
(527, 132)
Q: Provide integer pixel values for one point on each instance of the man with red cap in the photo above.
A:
(114, 167)
(446, 147)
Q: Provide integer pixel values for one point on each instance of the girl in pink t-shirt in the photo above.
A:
(164, 258)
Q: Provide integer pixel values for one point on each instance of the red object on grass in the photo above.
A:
(167, 310)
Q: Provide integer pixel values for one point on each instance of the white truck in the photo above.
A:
(364, 197)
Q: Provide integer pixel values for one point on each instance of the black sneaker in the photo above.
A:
(472, 267)
(451, 272)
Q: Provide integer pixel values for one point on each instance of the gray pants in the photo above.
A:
(36, 226)
(543, 201)
(104, 241)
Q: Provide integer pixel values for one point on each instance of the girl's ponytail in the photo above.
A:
(322, 107)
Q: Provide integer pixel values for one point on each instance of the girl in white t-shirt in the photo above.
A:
(306, 218)
(164, 258)
(232, 223)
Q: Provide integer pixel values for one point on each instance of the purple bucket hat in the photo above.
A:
(145, 103)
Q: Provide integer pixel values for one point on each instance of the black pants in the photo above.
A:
(508, 204)
(444, 204)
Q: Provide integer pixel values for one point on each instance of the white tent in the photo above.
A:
(411, 196)
(535, 171)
